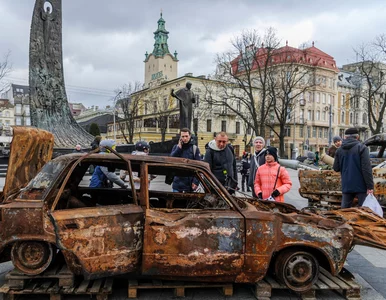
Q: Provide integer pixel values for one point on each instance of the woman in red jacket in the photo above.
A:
(272, 180)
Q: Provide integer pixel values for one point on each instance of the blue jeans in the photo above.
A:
(347, 199)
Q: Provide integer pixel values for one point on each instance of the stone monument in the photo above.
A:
(48, 99)
(186, 98)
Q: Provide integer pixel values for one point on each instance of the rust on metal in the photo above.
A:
(150, 231)
(30, 149)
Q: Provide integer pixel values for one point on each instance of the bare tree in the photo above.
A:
(288, 82)
(240, 83)
(164, 108)
(372, 86)
(5, 69)
(130, 104)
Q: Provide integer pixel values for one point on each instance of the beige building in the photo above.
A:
(157, 113)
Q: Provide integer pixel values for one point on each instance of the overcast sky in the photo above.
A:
(104, 41)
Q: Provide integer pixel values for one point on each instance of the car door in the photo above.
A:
(106, 240)
(192, 242)
(105, 237)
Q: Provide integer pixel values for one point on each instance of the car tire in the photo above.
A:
(32, 257)
(298, 270)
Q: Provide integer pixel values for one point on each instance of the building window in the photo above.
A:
(208, 125)
(308, 131)
(237, 127)
(324, 116)
(249, 130)
(364, 118)
(18, 120)
(317, 115)
(317, 97)
(314, 131)
(342, 120)
(195, 125)
(224, 126)
(301, 131)
(324, 98)
(18, 109)
(309, 115)
(351, 118)
(150, 123)
(287, 131)
(174, 121)
(320, 133)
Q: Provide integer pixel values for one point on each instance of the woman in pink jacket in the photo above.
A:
(271, 178)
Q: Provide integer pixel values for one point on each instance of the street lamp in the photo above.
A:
(115, 99)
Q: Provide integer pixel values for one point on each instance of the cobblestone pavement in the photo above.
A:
(368, 266)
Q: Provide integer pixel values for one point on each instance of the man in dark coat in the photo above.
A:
(222, 161)
(352, 160)
(186, 149)
(258, 159)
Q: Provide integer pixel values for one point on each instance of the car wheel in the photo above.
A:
(298, 270)
(32, 257)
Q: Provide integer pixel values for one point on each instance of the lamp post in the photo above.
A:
(115, 99)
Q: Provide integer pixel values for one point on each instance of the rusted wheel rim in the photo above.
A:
(298, 270)
(32, 257)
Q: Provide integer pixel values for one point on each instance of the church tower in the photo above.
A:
(160, 65)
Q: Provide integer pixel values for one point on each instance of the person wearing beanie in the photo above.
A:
(102, 176)
(337, 142)
(352, 160)
(258, 159)
(272, 180)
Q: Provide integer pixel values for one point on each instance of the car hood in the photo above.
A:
(369, 229)
(30, 149)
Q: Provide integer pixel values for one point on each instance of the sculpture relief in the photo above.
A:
(48, 99)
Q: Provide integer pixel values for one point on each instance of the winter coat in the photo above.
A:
(222, 162)
(332, 150)
(102, 176)
(258, 159)
(266, 177)
(245, 166)
(352, 160)
(187, 151)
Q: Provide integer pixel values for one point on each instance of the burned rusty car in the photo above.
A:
(206, 235)
(323, 188)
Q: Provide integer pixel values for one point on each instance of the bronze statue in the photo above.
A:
(186, 98)
(48, 99)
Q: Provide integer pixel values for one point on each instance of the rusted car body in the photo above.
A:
(323, 187)
(206, 235)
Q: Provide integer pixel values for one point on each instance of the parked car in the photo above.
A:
(207, 235)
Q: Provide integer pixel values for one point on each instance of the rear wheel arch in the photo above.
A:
(319, 255)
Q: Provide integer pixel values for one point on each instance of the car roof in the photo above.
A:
(177, 161)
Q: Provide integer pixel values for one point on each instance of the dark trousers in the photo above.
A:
(347, 199)
(244, 180)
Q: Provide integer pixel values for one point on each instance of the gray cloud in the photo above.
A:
(104, 42)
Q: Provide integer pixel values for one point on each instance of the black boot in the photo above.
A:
(248, 189)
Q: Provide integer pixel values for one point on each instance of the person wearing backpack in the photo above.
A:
(221, 158)
(186, 149)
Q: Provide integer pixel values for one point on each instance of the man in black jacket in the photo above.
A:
(352, 160)
(222, 162)
(186, 149)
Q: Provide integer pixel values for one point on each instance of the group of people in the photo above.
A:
(261, 172)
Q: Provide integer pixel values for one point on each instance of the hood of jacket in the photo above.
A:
(347, 144)
(212, 145)
(188, 144)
